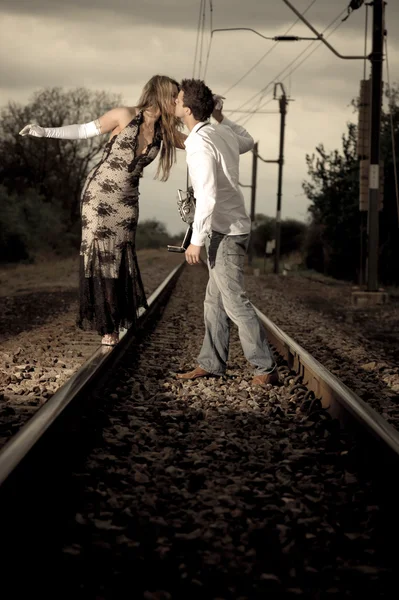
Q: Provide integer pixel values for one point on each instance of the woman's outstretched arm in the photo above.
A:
(113, 119)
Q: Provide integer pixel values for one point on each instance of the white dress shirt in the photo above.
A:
(213, 164)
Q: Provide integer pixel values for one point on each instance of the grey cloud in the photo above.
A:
(117, 45)
(184, 13)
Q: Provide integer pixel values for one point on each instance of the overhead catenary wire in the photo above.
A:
(275, 38)
(320, 36)
(262, 92)
(202, 37)
(242, 120)
(198, 37)
(266, 54)
(262, 112)
(211, 37)
(279, 76)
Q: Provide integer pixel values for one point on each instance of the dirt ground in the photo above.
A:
(40, 344)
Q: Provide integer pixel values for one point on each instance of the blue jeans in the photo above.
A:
(226, 301)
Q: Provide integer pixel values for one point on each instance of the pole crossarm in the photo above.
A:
(320, 36)
(267, 161)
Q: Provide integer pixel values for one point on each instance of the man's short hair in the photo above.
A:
(198, 97)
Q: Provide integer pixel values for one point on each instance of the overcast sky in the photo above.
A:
(118, 45)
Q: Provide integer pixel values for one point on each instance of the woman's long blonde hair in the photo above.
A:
(158, 93)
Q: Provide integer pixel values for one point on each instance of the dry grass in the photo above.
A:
(56, 274)
(53, 274)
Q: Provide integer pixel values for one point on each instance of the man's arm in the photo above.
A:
(245, 141)
(202, 169)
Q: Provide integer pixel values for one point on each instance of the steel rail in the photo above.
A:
(21, 510)
(20, 445)
(342, 403)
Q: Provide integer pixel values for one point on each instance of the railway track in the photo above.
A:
(340, 337)
(129, 483)
(40, 345)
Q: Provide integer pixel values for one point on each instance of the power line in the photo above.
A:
(279, 78)
(320, 35)
(275, 38)
(310, 53)
(198, 35)
(317, 47)
(263, 112)
(210, 40)
(200, 16)
(255, 110)
(262, 91)
(267, 53)
(202, 36)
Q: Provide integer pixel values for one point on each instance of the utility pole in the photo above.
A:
(253, 185)
(280, 161)
(376, 59)
(253, 199)
(373, 295)
(283, 111)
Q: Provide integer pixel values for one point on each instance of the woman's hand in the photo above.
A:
(33, 130)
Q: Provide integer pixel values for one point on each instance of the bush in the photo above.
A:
(292, 234)
(29, 225)
(152, 234)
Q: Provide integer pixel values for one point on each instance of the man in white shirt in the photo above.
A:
(222, 225)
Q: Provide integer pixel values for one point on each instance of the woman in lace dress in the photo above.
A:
(111, 290)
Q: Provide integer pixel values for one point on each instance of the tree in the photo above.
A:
(334, 192)
(54, 169)
(292, 233)
(292, 236)
(333, 240)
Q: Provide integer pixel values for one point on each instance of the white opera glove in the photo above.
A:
(68, 132)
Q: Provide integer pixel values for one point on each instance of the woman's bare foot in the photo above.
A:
(110, 339)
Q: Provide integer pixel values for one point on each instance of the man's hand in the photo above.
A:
(193, 254)
(217, 112)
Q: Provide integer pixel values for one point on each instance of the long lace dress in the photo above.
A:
(111, 290)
